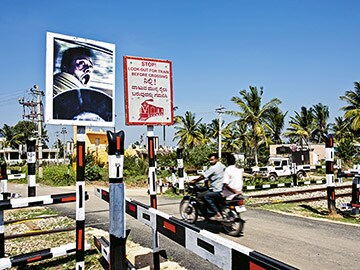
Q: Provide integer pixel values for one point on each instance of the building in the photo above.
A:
(317, 151)
(96, 143)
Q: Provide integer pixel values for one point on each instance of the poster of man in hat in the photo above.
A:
(80, 81)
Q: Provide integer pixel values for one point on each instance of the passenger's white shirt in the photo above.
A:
(234, 178)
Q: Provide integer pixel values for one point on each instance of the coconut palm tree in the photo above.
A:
(236, 137)
(187, 131)
(213, 129)
(301, 126)
(352, 110)
(320, 114)
(12, 139)
(203, 128)
(341, 128)
(253, 113)
(275, 118)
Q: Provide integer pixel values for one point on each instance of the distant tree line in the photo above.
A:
(258, 124)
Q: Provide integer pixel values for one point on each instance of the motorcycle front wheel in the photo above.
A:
(188, 211)
(233, 224)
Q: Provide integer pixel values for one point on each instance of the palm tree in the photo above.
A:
(187, 131)
(275, 118)
(341, 128)
(11, 138)
(320, 114)
(203, 128)
(352, 110)
(213, 131)
(25, 130)
(235, 137)
(254, 114)
(301, 126)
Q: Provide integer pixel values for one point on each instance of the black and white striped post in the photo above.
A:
(31, 161)
(330, 179)
(4, 195)
(180, 164)
(355, 193)
(4, 179)
(152, 192)
(80, 198)
(339, 170)
(294, 175)
(117, 201)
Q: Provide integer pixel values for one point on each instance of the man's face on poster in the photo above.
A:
(81, 67)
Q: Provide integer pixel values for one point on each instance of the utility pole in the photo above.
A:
(220, 111)
(57, 147)
(35, 90)
(64, 131)
(31, 105)
(164, 126)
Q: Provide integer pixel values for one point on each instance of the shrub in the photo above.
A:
(57, 175)
(92, 169)
(198, 156)
(134, 166)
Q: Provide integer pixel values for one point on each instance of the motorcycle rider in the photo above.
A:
(215, 175)
(231, 186)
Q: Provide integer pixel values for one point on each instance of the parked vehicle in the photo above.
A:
(191, 208)
(282, 167)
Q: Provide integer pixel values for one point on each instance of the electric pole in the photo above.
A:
(64, 132)
(30, 105)
(35, 90)
(220, 111)
(57, 147)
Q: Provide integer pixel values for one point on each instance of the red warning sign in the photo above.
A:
(148, 91)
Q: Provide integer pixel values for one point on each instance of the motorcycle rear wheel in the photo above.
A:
(233, 224)
(188, 212)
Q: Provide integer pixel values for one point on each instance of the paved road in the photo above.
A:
(303, 243)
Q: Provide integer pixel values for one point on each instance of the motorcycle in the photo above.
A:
(191, 208)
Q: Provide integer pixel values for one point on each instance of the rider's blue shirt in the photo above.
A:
(215, 175)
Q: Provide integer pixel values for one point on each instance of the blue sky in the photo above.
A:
(301, 51)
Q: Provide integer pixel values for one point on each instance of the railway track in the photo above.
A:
(303, 195)
(294, 192)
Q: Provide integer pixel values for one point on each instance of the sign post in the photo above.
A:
(148, 91)
(80, 91)
(117, 201)
(149, 101)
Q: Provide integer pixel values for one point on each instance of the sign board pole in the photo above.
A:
(152, 191)
(80, 92)
(80, 198)
(117, 201)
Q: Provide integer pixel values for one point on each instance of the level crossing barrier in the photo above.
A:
(355, 187)
(222, 252)
(17, 203)
(79, 197)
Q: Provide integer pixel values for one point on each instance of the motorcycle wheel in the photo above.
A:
(188, 212)
(233, 225)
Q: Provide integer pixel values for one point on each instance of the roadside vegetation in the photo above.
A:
(256, 124)
(313, 210)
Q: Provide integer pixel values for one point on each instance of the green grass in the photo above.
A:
(306, 210)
